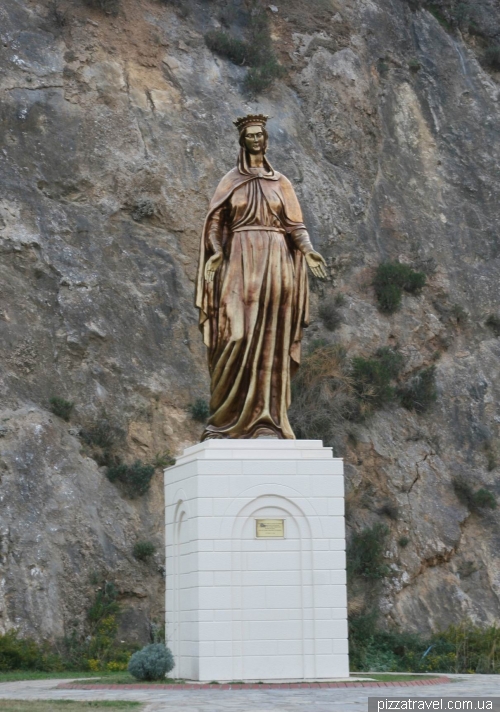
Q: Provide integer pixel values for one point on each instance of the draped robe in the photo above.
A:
(253, 313)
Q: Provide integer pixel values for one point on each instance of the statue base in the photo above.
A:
(255, 562)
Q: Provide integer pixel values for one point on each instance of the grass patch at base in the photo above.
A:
(19, 675)
(65, 706)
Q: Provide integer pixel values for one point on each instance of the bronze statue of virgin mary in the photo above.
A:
(252, 292)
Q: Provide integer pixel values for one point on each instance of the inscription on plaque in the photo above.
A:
(270, 528)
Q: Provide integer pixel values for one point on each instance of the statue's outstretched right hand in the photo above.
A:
(212, 266)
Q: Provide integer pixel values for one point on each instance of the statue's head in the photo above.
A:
(253, 134)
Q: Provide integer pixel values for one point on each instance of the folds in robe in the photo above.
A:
(253, 313)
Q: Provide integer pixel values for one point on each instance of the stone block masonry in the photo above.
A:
(245, 607)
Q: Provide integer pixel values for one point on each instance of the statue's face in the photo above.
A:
(254, 139)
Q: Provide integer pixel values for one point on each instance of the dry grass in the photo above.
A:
(323, 396)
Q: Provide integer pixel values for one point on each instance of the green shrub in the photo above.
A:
(144, 208)
(474, 501)
(135, 479)
(484, 499)
(403, 542)
(229, 47)
(25, 654)
(391, 361)
(414, 65)
(110, 7)
(420, 392)
(163, 460)
(152, 662)
(372, 377)
(96, 646)
(460, 648)
(256, 51)
(492, 57)
(382, 66)
(199, 410)
(260, 78)
(143, 550)
(493, 322)
(61, 407)
(329, 313)
(365, 553)
(436, 10)
(391, 510)
(464, 491)
(88, 649)
(391, 278)
(492, 460)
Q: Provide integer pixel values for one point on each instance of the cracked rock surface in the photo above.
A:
(114, 131)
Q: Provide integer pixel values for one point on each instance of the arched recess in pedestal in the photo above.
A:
(181, 637)
(273, 611)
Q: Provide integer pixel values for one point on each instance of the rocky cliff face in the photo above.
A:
(114, 132)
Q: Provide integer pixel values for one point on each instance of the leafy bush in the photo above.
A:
(391, 278)
(403, 542)
(200, 410)
(372, 377)
(460, 648)
(474, 501)
(110, 7)
(144, 208)
(61, 407)
(492, 57)
(135, 479)
(25, 654)
(236, 50)
(329, 313)
(365, 553)
(493, 322)
(152, 662)
(484, 499)
(163, 460)
(143, 550)
(95, 647)
(420, 392)
(262, 77)
(255, 52)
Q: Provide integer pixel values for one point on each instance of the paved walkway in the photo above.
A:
(331, 700)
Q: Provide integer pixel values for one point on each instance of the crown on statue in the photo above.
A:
(249, 120)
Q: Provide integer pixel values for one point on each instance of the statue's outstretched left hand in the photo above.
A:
(317, 264)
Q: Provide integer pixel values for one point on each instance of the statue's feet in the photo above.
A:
(265, 433)
(211, 435)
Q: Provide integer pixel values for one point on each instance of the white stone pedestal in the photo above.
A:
(240, 607)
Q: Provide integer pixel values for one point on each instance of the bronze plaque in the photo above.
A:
(270, 528)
